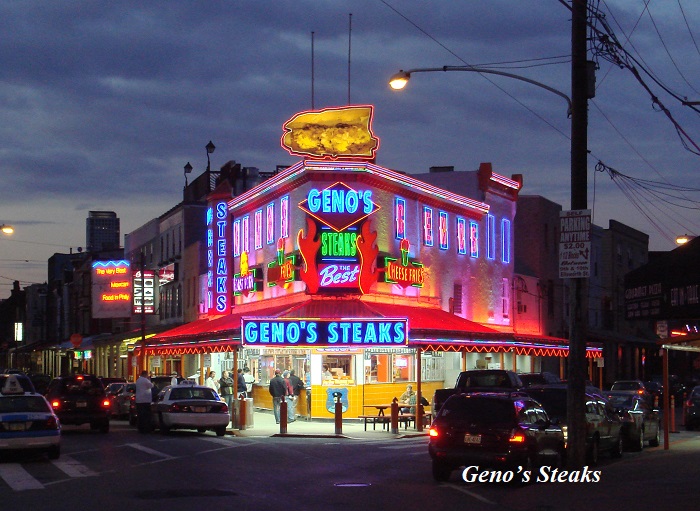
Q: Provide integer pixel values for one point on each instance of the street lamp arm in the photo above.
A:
(406, 75)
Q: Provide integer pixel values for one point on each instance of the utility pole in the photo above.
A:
(576, 394)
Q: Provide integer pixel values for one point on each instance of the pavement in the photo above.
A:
(263, 424)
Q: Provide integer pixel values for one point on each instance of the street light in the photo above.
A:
(400, 79)
(188, 169)
(210, 149)
(7, 229)
(684, 238)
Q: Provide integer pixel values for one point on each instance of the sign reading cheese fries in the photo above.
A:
(331, 133)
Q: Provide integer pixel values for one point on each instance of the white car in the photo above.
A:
(27, 420)
(189, 406)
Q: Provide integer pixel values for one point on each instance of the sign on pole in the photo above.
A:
(575, 244)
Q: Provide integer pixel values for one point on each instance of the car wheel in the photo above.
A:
(593, 453)
(639, 444)
(54, 452)
(616, 451)
(441, 472)
(654, 442)
(164, 430)
(220, 431)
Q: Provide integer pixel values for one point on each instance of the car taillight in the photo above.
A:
(51, 423)
(175, 408)
(55, 404)
(433, 432)
(640, 392)
(516, 437)
(106, 403)
(224, 408)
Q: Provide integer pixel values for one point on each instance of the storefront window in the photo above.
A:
(283, 360)
(341, 368)
(432, 367)
(404, 367)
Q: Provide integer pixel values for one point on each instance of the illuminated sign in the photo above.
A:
(144, 292)
(427, 226)
(248, 279)
(282, 274)
(237, 237)
(461, 235)
(473, 239)
(399, 218)
(111, 289)
(324, 332)
(339, 206)
(505, 240)
(338, 275)
(284, 217)
(404, 273)
(332, 132)
(166, 274)
(490, 237)
(245, 234)
(270, 221)
(257, 229)
(217, 258)
(338, 244)
(443, 232)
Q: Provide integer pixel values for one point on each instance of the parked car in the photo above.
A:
(493, 429)
(20, 378)
(603, 425)
(633, 385)
(542, 378)
(655, 390)
(692, 417)
(478, 379)
(40, 381)
(107, 381)
(190, 406)
(121, 401)
(640, 421)
(80, 399)
(27, 420)
(159, 383)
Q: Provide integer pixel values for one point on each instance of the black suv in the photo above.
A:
(502, 430)
(80, 399)
(603, 424)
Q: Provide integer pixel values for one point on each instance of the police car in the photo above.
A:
(190, 406)
(26, 419)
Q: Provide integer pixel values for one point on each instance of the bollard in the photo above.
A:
(395, 416)
(419, 417)
(241, 414)
(656, 401)
(283, 417)
(338, 417)
(672, 411)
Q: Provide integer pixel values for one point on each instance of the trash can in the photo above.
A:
(248, 413)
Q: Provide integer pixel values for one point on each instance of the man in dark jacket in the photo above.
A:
(277, 390)
(240, 379)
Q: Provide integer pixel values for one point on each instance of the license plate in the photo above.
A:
(81, 404)
(200, 409)
(17, 426)
(472, 439)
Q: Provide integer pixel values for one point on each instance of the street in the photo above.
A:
(186, 471)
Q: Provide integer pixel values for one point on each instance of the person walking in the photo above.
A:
(277, 390)
(296, 385)
(143, 399)
(249, 379)
(226, 388)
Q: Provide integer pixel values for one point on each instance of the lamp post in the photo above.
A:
(578, 111)
(400, 79)
(210, 149)
(188, 169)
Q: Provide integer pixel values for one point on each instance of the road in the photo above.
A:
(188, 471)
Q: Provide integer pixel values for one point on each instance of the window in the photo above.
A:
(443, 231)
(457, 298)
(399, 218)
(505, 240)
(491, 237)
(427, 226)
(461, 235)
(473, 239)
(505, 298)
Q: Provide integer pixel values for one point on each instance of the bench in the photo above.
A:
(408, 418)
(374, 419)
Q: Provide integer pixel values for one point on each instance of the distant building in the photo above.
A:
(102, 231)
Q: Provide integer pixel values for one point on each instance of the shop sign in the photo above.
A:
(339, 206)
(338, 275)
(217, 258)
(575, 244)
(404, 272)
(144, 292)
(282, 271)
(111, 289)
(324, 332)
(331, 133)
(248, 279)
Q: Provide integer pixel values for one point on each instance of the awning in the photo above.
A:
(681, 343)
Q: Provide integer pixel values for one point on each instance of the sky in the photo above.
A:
(103, 103)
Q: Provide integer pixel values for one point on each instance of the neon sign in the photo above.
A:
(217, 258)
(331, 132)
(490, 237)
(245, 234)
(338, 244)
(399, 218)
(427, 226)
(324, 332)
(443, 232)
(505, 240)
(270, 220)
(284, 217)
(257, 230)
(237, 237)
(111, 289)
(339, 206)
(404, 273)
(461, 235)
(473, 239)
(338, 275)
(247, 280)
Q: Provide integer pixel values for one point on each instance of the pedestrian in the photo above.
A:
(277, 391)
(242, 390)
(249, 379)
(226, 388)
(289, 397)
(307, 379)
(211, 381)
(174, 378)
(143, 399)
(297, 385)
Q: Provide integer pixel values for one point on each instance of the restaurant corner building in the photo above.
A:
(360, 278)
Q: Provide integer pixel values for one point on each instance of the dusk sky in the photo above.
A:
(103, 103)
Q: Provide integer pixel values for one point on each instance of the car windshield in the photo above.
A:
(480, 410)
(625, 385)
(80, 387)
(624, 402)
(554, 401)
(486, 380)
(190, 393)
(23, 404)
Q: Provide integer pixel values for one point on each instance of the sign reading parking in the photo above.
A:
(575, 244)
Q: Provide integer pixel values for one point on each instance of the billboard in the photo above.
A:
(112, 289)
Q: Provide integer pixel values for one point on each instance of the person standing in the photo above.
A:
(277, 390)
(307, 379)
(242, 389)
(297, 385)
(226, 388)
(249, 379)
(211, 381)
(289, 397)
(143, 399)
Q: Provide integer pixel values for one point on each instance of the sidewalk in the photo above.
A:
(264, 425)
